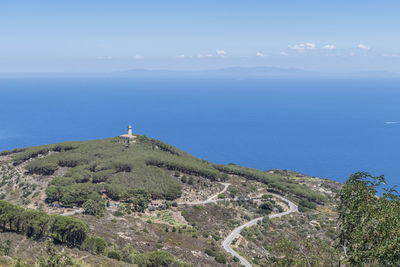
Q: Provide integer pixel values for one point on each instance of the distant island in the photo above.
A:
(235, 72)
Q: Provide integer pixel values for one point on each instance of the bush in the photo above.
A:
(216, 237)
(220, 257)
(92, 207)
(306, 204)
(221, 196)
(112, 254)
(118, 213)
(184, 179)
(94, 244)
(266, 196)
(266, 207)
(158, 259)
(211, 252)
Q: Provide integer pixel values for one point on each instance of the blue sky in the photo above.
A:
(102, 36)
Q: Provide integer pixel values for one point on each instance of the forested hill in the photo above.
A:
(92, 169)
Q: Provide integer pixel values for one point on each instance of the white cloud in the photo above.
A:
(180, 56)
(329, 47)
(302, 47)
(363, 47)
(220, 52)
(260, 54)
(283, 53)
(138, 57)
(204, 56)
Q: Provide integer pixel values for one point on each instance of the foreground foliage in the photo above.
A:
(369, 225)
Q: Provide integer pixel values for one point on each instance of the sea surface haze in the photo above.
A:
(322, 127)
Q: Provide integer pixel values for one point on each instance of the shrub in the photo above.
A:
(220, 257)
(112, 254)
(94, 244)
(118, 213)
(306, 204)
(221, 196)
(216, 237)
(92, 207)
(266, 207)
(210, 252)
(158, 258)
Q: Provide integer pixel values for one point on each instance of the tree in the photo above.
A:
(38, 224)
(369, 226)
(266, 207)
(139, 197)
(95, 208)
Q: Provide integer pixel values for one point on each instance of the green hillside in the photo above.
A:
(108, 167)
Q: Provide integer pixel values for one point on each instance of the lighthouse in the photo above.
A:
(127, 138)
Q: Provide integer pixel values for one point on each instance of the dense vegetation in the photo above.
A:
(39, 225)
(369, 225)
(64, 230)
(107, 167)
(276, 181)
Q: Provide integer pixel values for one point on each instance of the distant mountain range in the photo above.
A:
(253, 72)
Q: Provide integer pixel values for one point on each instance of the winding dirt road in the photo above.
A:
(212, 199)
(72, 212)
(227, 242)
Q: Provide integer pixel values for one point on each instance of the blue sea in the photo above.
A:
(324, 127)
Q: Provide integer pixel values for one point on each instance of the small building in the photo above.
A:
(155, 203)
(127, 138)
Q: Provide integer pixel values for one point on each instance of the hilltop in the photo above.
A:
(150, 196)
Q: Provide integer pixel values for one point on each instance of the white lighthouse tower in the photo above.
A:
(127, 138)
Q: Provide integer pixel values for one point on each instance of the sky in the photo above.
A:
(74, 36)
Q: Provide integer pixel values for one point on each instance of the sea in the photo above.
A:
(322, 127)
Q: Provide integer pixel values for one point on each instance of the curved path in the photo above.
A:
(72, 212)
(212, 199)
(227, 242)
